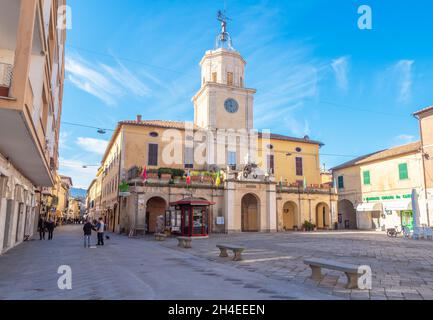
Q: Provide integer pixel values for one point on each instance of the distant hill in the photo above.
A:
(75, 193)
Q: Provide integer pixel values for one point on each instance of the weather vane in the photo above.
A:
(223, 40)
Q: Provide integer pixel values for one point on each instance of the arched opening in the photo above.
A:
(155, 207)
(323, 217)
(346, 215)
(250, 213)
(290, 213)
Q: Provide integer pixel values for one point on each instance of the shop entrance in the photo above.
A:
(190, 217)
(407, 219)
(155, 207)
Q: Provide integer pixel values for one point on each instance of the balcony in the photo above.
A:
(5, 78)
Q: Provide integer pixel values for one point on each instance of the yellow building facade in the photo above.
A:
(31, 90)
(269, 182)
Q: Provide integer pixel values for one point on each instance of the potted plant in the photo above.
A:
(152, 174)
(196, 176)
(208, 177)
(308, 226)
(165, 174)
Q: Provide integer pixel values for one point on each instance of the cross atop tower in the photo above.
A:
(223, 40)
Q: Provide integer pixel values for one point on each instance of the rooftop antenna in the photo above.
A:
(223, 39)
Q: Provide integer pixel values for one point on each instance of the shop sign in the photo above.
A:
(220, 221)
(398, 197)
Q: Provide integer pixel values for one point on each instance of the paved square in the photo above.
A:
(272, 267)
(402, 268)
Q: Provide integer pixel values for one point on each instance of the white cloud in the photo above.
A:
(403, 70)
(107, 83)
(298, 128)
(63, 140)
(93, 145)
(404, 139)
(340, 67)
(81, 177)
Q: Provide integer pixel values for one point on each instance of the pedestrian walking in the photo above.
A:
(88, 227)
(42, 227)
(100, 229)
(50, 228)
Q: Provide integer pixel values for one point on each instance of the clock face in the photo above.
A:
(231, 105)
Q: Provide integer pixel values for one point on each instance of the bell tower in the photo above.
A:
(223, 102)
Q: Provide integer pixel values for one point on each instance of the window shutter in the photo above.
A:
(403, 171)
(340, 182)
(189, 158)
(299, 167)
(153, 154)
(271, 163)
(367, 178)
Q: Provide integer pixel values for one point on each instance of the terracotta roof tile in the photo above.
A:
(423, 110)
(380, 155)
(157, 123)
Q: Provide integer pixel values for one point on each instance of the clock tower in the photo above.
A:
(223, 102)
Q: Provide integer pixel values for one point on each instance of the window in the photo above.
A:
(214, 77)
(366, 175)
(403, 172)
(299, 167)
(154, 134)
(241, 82)
(231, 161)
(340, 182)
(271, 163)
(230, 78)
(153, 155)
(189, 158)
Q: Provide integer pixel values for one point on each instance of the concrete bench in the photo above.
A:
(184, 242)
(160, 236)
(351, 271)
(237, 250)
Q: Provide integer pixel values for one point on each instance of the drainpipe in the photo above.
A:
(424, 170)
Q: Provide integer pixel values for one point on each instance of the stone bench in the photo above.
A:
(237, 250)
(351, 271)
(184, 242)
(160, 236)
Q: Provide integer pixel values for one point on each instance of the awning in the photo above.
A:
(193, 202)
(369, 206)
(398, 205)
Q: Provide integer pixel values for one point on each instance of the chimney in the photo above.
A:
(138, 118)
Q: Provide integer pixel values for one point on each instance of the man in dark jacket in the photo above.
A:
(88, 227)
(42, 228)
(50, 227)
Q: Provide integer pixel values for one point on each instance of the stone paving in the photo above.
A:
(133, 269)
(272, 268)
(402, 268)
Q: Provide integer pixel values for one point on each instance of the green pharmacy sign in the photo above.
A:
(379, 198)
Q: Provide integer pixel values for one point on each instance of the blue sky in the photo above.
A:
(315, 71)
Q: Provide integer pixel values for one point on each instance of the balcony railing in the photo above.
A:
(5, 78)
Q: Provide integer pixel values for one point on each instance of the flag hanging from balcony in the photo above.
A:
(188, 178)
(144, 174)
(218, 179)
(305, 183)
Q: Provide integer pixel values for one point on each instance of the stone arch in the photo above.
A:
(346, 214)
(155, 206)
(250, 213)
(149, 196)
(290, 215)
(323, 216)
